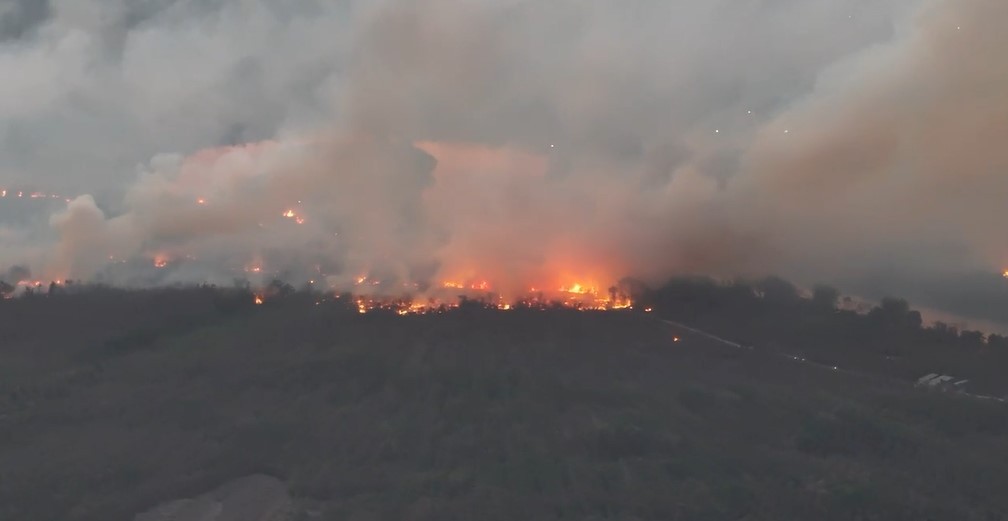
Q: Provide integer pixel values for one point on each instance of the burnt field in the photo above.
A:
(112, 402)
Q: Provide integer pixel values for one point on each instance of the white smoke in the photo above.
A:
(515, 141)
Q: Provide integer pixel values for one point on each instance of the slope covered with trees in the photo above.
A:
(114, 401)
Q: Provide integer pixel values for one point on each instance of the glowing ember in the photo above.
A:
(623, 303)
(675, 339)
(291, 214)
(258, 300)
(160, 261)
(1005, 274)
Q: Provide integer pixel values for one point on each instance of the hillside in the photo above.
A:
(113, 403)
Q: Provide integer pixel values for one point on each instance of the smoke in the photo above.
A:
(512, 141)
(895, 153)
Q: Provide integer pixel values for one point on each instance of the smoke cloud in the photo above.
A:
(511, 141)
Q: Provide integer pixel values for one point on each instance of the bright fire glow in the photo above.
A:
(200, 201)
(481, 285)
(1005, 274)
(160, 261)
(258, 300)
(449, 294)
(578, 289)
(291, 214)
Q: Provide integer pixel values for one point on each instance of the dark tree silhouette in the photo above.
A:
(778, 290)
(996, 341)
(825, 297)
(895, 313)
(972, 339)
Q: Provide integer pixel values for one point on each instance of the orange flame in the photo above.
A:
(481, 285)
(291, 214)
(578, 289)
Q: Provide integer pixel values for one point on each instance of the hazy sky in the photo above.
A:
(858, 142)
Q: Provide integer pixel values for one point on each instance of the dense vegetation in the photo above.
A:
(112, 401)
(890, 339)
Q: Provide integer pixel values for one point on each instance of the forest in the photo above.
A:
(112, 401)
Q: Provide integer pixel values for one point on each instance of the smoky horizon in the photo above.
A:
(509, 145)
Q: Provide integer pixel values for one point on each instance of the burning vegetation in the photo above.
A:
(372, 295)
(454, 293)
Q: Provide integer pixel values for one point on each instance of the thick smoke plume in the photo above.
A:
(517, 142)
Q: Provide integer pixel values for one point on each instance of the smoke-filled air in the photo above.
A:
(511, 146)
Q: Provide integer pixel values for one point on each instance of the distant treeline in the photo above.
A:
(776, 296)
(684, 297)
(889, 338)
